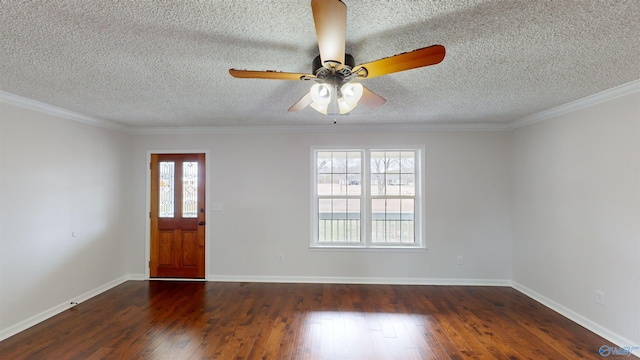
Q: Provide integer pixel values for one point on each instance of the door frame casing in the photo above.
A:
(207, 242)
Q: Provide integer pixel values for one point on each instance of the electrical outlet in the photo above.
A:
(280, 258)
(460, 260)
(600, 299)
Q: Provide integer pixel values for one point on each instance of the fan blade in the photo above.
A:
(330, 18)
(371, 99)
(302, 103)
(269, 74)
(410, 60)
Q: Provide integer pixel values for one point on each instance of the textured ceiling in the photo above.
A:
(152, 63)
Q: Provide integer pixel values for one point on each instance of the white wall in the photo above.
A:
(555, 206)
(576, 212)
(57, 177)
(263, 182)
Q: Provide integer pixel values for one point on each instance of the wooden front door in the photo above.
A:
(177, 216)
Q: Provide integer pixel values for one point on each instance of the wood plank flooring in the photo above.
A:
(208, 320)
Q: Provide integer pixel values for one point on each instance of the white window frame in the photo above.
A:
(365, 202)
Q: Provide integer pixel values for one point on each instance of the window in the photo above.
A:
(367, 198)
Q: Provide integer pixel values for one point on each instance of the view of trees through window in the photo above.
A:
(392, 196)
(339, 189)
(389, 196)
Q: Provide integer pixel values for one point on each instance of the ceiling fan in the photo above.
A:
(336, 91)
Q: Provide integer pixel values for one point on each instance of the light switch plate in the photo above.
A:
(216, 206)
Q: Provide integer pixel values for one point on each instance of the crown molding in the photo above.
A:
(185, 130)
(189, 130)
(58, 111)
(609, 94)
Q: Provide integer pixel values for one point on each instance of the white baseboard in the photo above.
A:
(137, 277)
(598, 329)
(621, 341)
(357, 280)
(36, 319)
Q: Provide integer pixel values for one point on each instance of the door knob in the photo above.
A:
(201, 223)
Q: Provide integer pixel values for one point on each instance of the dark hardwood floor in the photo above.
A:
(208, 320)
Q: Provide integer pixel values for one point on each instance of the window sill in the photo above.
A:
(331, 248)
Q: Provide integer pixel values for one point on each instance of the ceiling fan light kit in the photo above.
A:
(331, 100)
(321, 96)
(351, 93)
(335, 91)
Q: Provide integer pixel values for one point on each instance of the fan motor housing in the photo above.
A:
(332, 75)
(349, 62)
